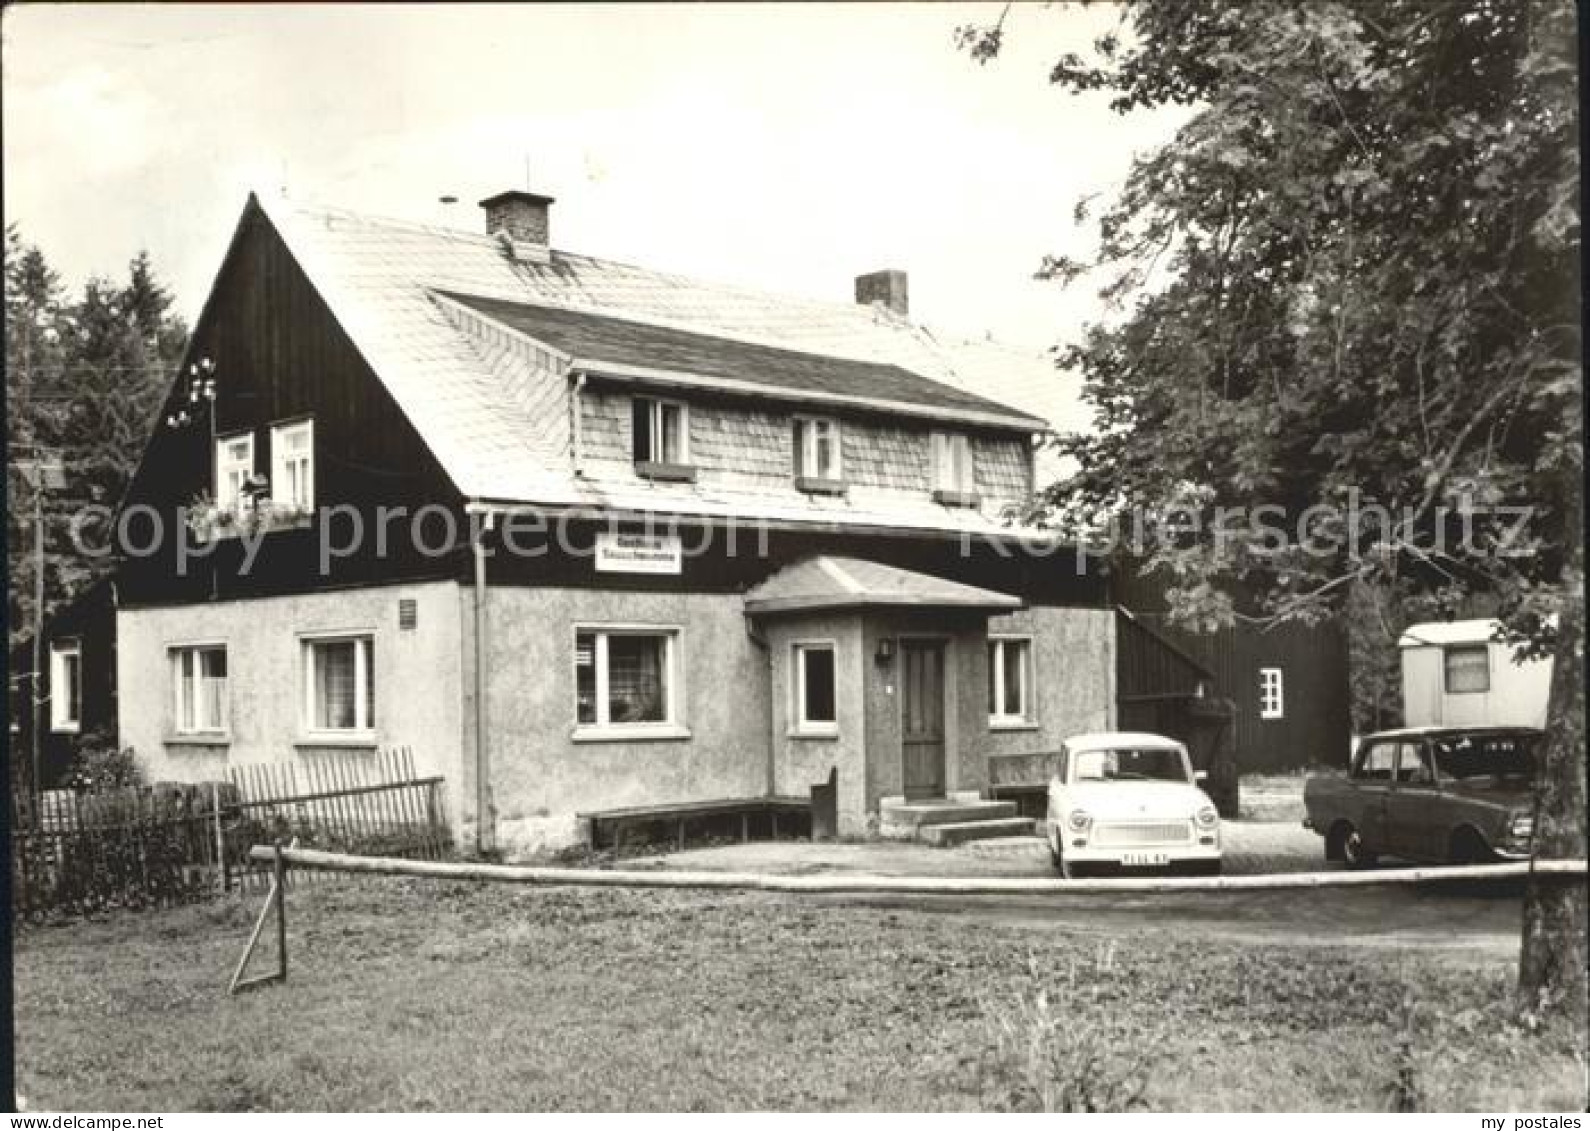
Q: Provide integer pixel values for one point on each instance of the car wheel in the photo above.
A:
(1468, 847)
(1353, 851)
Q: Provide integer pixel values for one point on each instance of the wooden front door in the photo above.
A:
(922, 717)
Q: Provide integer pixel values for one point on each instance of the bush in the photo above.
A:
(100, 766)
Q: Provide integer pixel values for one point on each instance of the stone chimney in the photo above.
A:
(886, 287)
(524, 217)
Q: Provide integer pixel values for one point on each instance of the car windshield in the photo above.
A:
(1486, 756)
(1128, 765)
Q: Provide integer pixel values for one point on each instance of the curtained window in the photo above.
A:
(817, 449)
(623, 678)
(200, 675)
(1009, 675)
(340, 684)
(293, 464)
(1468, 669)
(661, 431)
(234, 464)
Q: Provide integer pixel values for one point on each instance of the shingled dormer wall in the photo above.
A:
(740, 446)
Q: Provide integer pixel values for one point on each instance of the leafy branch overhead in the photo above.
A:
(1351, 276)
(1343, 353)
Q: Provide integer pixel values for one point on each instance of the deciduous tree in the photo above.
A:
(1347, 291)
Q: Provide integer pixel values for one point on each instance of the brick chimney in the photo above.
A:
(886, 287)
(524, 217)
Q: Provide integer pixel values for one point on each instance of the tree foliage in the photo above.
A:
(1350, 282)
(84, 378)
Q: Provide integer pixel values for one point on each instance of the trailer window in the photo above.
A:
(1468, 669)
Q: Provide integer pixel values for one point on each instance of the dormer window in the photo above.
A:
(954, 475)
(293, 465)
(234, 467)
(662, 439)
(819, 466)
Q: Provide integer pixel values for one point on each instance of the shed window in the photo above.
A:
(1272, 693)
(624, 678)
(817, 449)
(293, 464)
(1009, 676)
(199, 676)
(66, 686)
(339, 684)
(1468, 669)
(661, 432)
(815, 711)
(234, 466)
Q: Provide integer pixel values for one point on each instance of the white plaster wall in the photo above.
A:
(418, 693)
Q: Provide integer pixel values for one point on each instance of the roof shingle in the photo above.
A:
(596, 338)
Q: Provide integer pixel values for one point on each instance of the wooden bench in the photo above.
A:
(608, 825)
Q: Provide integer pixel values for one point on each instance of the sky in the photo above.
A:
(790, 148)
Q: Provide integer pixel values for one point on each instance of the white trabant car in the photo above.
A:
(1124, 801)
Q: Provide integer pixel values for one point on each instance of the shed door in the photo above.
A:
(922, 725)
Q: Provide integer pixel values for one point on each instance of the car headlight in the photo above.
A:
(1522, 828)
(1079, 820)
(1208, 817)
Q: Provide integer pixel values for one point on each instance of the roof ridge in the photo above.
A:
(875, 314)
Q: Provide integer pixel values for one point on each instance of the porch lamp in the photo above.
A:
(885, 653)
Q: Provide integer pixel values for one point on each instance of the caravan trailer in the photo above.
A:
(1455, 674)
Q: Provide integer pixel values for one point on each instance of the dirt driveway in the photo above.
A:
(1480, 922)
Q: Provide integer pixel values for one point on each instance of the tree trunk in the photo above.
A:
(1551, 971)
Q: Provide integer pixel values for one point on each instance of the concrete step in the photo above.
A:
(916, 814)
(1006, 847)
(960, 832)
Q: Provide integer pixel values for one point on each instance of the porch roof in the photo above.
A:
(830, 582)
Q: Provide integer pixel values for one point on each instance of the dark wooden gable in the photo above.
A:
(280, 355)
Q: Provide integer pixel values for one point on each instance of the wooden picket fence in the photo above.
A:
(172, 843)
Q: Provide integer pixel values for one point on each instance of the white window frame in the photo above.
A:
(655, 407)
(183, 660)
(799, 723)
(280, 461)
(672, 723)
(225, 498)
(1446, 669)
(954, 468)
(806, 430)
(1272, 693)
(66, 711)
(363, 683)
(999, 658)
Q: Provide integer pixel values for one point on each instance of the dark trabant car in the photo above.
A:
(1463, 795)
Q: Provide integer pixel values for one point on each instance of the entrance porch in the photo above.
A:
(881, 674)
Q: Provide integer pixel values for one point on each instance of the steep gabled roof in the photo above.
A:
(386, 283)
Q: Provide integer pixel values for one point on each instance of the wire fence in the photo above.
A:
(78, 853)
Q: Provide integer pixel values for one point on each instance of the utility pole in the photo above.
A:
(42, 472)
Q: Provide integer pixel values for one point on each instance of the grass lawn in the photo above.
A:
(440, 995)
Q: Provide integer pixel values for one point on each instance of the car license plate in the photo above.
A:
(1145, 859)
